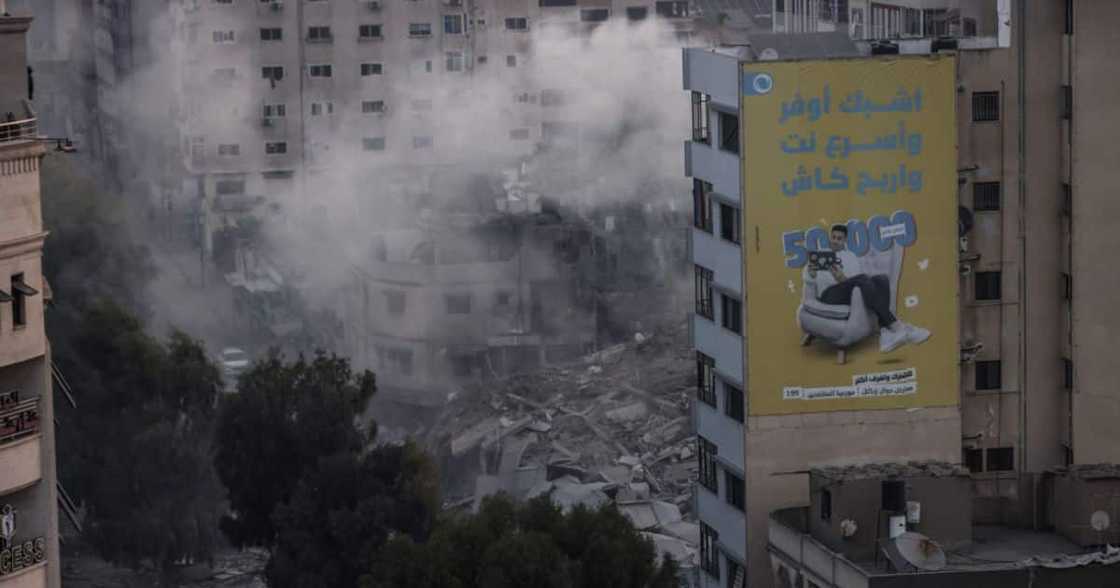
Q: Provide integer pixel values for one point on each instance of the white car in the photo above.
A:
(234, 362)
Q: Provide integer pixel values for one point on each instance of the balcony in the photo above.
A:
(20, 451)
(18, 130)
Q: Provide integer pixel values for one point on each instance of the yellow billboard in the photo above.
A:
(851, 233)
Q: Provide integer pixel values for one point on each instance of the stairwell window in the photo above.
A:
(709, 471)
(988, 285)
(731, 316)
(988, 376)
(729, 132)
(702, 205)
(729, 223)
(20, 292)
(733, 492)
(709, 554)
(701, 117)
(733, 402)
(985, 196)
(704, 305)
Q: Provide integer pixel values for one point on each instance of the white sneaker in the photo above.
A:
(916, 335)
(890, 340)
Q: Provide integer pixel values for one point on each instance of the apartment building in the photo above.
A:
(28, 513)
(1031, 119)
(279, 93)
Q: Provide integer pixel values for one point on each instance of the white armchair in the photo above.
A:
(844, 325)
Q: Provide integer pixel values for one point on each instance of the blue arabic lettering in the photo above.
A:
(814, 107)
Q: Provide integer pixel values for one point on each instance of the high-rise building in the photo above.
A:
(1031, 120)
(28, 495)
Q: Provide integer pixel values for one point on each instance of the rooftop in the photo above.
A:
(912, 469)
(1094, 471)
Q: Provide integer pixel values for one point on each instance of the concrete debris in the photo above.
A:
(613, 425)
(685, 554)
(913, 469)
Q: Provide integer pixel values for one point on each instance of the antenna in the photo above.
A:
(920, 551)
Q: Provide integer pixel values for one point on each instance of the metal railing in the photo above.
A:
(18, 130)
(18, 418)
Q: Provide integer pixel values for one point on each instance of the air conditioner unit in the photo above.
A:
(276, 5)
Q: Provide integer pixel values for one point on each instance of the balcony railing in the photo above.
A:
(18, 130)
(18, 418)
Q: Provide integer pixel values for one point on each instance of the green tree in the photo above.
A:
(285, 417)
(345, 509)
(137, 451)
(529, 544)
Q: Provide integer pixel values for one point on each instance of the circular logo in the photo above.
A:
(762, 83)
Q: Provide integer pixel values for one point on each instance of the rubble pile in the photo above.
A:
(612, 426)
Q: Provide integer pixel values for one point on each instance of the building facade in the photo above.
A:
(29, 554)
(1031, 157)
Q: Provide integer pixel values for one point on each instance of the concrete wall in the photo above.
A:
(1096, 212)
(13, 67)
(1075, 501)
(779, 445)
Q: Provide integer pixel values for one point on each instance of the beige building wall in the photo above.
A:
(27, 450)
(1096, 216)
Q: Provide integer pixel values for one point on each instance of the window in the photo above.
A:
(371, 69)
(1067, 199)
(708, 472)
(826, 505)
(912, 22)
(556, 3)
(709, 555)
(428, 66)
(275, 148)
(229, 186)
(937, 22)
(1067, 101)
(552, 97)
(274, 73)
(517, 24)
(733, 490)
(985, 196)
(452, 24)
(636, 13)
(973, 459)
(988, 375)
(369, 31)
(701, 118)
(733, 402)
(321, 108)
(702, 205)
(893, 494)
(672, 8)
(1001, 459)
(223, 37)
(985, 106)
(519, 134)
(511, 61)
(594, 14)
(318, 34)
(729, 132)
(419, 29)
(1069, 17)
(320, 70)
(274, 110)
(455, 61)
(969, 27)
(1067, 373)
(502, 298)
(706, 379)
(731, 316)
(229, 149)
(373, 106)
(422, 142)
(272, 34)
(373, 143)
(729, 222)
(988, 285)
(394, 302)
(20, 292)
(1067, 286)
(704, 292)
(458, 303)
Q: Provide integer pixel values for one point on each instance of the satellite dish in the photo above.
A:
(920, 551)
(768, 54)
(848, 527)
(1099, 521)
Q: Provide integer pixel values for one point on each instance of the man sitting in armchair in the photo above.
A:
(836, 285)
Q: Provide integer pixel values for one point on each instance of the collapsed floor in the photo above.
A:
(613, 426)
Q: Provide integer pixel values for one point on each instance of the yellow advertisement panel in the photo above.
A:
(851, 234)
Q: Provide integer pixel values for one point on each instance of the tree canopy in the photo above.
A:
(285, 417)
(507, 544)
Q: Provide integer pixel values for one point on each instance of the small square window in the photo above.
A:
(1001, 459)
(985, 106)
(973, 459)
(985, 196)
(517, 24)
(988, 375)
(988, 285)
(452, 24)
(371, 69)
(893, 494)
(511, 61)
